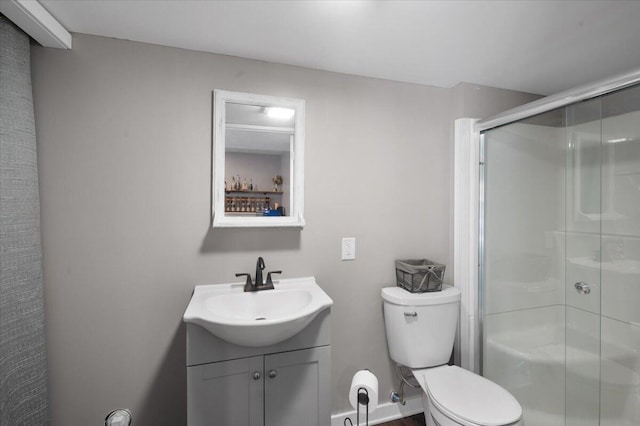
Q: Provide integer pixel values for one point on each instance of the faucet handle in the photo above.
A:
(248, 278)
(269, 282)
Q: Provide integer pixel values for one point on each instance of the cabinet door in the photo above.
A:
(228, 393)
(296, 388)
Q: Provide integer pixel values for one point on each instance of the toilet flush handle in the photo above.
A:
(411, 314)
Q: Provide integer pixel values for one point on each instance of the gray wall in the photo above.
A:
(125, 160)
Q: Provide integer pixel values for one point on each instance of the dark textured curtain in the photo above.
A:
(23, 372)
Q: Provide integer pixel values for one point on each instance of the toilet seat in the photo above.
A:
(468, 398)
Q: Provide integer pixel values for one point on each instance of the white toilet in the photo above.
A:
(421, 328)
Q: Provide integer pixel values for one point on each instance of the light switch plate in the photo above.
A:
(348, 248)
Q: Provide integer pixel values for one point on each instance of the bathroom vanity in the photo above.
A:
(281, 384)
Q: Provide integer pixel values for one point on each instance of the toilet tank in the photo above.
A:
(421, 327)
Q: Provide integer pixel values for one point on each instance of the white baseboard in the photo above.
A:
(384, 413)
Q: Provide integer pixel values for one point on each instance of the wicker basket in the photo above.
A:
(419, 276)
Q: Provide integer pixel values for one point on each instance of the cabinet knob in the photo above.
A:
(272, 374)
(256, 375)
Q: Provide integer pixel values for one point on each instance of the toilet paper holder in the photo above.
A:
(363, 395)
(363, 399)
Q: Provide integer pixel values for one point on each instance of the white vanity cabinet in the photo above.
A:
(287, 384)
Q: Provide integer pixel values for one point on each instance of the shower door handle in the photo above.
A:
(583, 288)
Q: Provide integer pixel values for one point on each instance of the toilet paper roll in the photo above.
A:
(367, 380)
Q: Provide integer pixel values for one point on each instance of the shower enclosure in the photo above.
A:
(559, 284)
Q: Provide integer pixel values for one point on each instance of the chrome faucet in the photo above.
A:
(258, 284)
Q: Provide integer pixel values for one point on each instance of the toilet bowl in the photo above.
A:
(421, 329)
(455, 396)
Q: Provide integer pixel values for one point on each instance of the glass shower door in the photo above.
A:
(603, 251)
(560, 280)
(586, 208)
(523, 316)
(620, 260)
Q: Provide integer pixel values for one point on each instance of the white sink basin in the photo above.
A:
(260, 318)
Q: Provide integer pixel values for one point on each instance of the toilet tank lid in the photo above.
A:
(400, 296)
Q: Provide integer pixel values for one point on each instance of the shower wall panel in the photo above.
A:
(524, 202)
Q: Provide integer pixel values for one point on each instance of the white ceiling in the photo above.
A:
(534, 46)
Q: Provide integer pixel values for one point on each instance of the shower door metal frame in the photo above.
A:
(481, 246)
(559, 100)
